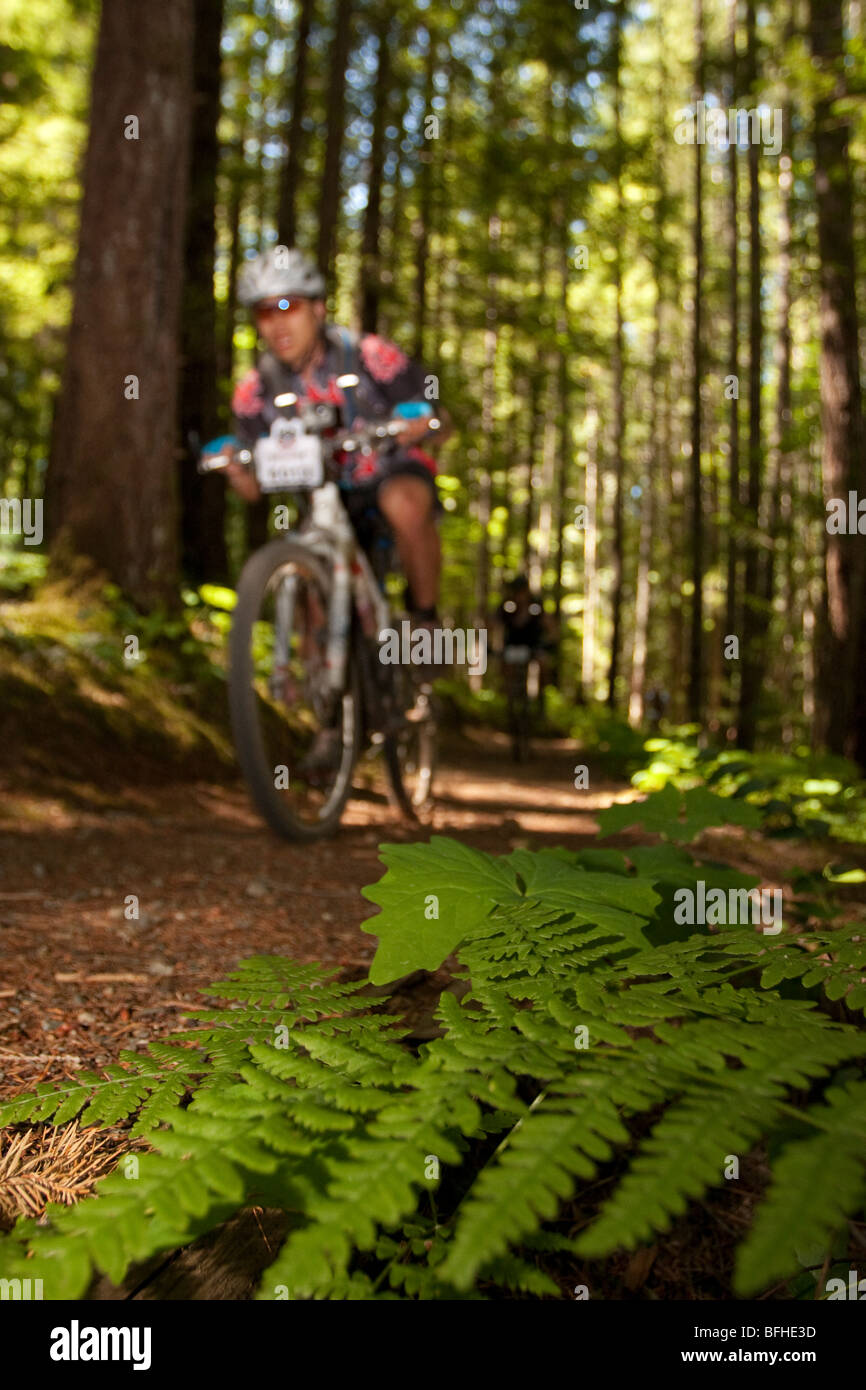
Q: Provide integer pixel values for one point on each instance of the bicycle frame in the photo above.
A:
(328, 532)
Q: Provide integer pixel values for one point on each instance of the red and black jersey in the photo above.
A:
(386, 378)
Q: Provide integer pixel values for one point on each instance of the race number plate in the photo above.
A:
(288, 459)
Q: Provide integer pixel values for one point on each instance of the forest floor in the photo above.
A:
(88, 823)
(120, 784)
(79, 979)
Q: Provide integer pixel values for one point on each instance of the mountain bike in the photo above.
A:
(521, 676)
(305, 673)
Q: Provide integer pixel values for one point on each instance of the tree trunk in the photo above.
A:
(696, 636)
(330, 189)
(370, 237)
(563, 334)
(675, 509)
(754, 615)
(533, 416)
(440, 204)
(778, 517)
(235, 175)
(291, 170)
(590, 560)
(112, 485)
(841, 710)
(617, 559)
(202, 498)
(732, 607)
(488, 400)
(421, 229)
(647, 524)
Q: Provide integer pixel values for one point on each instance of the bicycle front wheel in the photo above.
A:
(410, 748)
(297, 740)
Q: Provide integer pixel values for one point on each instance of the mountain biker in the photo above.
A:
(527, 632)
(522, 617)
(304, 357)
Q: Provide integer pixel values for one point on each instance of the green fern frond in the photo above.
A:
(532, 1174)
(805, 1205)
(118, 1093)
(305, 1097)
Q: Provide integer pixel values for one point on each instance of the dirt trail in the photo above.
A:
(78, 980)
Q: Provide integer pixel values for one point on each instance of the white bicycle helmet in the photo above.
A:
(282, 270)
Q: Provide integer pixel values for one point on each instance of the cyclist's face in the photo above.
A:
(290, 326)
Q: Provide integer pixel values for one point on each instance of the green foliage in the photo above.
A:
(803, 1196)
(20, 570)
(45, 51)
(434, 1175)
(66, 676)
(678, 815)
(149, 1086)
(800, 793)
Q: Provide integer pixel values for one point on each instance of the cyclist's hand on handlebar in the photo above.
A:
(414, 431)
(243, 481)
(238, 475)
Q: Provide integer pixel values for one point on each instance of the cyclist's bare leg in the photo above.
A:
(407, 505)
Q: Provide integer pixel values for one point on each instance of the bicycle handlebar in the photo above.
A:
(346, 440)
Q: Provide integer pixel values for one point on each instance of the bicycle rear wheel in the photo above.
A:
(297, 741)
(410, 746)
(519, 717)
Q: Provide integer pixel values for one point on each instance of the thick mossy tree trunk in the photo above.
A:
(112, 481)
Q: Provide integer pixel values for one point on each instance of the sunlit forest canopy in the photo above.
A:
(603, 227)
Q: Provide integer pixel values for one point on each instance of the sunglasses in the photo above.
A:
(278, 306)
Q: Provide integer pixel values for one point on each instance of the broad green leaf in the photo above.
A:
(455, 885)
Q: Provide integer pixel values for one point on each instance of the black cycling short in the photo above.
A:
(361, 500)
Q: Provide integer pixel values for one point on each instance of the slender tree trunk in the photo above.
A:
(548, 476)
(696, 643)
(732, 607)
(676, 520)
(842, 705)
(533, 415)
(590, 561)
(488, 399)
(439, 210)
(287, 222)
(421, 228)
(547, 349)
(538, 392)
(617, 558)
(371, 269)
(234, 173)
(647, 524)
(780, 484)
(330, 188)
(112, 483)
(566, 446)
(754, 617)
(202, 499)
